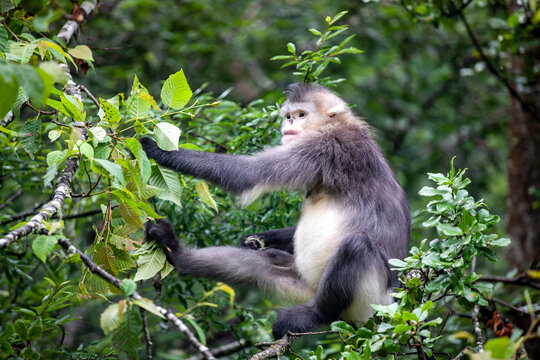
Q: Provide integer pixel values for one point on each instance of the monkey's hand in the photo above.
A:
(150, 147)
(162, 232)
(255, 242)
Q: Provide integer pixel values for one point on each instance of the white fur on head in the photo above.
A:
(337, 109)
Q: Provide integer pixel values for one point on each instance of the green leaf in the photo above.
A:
(73, 106)
(126, 337)
(148, 305)
(54, 134)
(43, 246)
(8, 89)
(55, 71)
(501, 348)
(36, 330)
(87, 150)
(429, 191)
(169, 182)
(112, 115)
(167, 136)
(315, 32)
(448, 230)
(292, 48)
(205, 196)
(56, 156)
(50, 174)
(113, 169)
(23, 51)
(81, 52)
(31, 136)
(502, 242)
(98, 134)
(150, 264)
(128, 287)
(176, 92)
(110, 318)
(167, 268)
(21, 328)
(142, 160)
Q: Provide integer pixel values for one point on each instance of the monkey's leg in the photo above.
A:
(345, 273)
(282, 239)
(272, 269)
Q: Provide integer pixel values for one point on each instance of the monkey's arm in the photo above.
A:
(277, 238)
(272, 169)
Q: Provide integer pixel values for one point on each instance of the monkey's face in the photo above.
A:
(295, 118)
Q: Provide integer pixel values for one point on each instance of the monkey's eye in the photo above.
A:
(302, 114)
(288, 116)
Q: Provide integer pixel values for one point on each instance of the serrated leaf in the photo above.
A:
(87, 150)
(56, 156)
(98, 134)
(74, 107)
(148, 305)
(43, 246)
(113, 169)
(31, 136)
(131, 216)
(169, 182)
(150, 264)
(23, 51)
(50, 174)
(176, 92)
(142, 160)
(128, 287)
(105, 258)
(204, 194)
(109, 319)
(81, 52)
(126, 337)
(167, 136)
(167, 268)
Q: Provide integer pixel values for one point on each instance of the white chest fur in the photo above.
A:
(317, 236)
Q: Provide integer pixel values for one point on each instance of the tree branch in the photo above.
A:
(71, 26)
(94, 268)
(276, 349)
(50, 208)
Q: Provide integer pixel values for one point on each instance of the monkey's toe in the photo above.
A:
(297, 319)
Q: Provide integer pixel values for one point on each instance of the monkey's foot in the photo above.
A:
(297, 319)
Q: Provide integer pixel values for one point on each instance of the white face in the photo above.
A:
(294, 118)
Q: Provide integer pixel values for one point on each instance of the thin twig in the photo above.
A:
(86, 214)
(22, 214)
(510, 306)
(492, 69)
(10, 199)
(224, 349)
(92, 97)
(147, 337)
(94, 268)
(520, 279)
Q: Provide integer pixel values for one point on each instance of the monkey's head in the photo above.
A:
(308, 107)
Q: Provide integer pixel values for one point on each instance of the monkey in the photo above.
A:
(334, 263)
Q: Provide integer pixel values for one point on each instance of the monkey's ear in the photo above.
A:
(337, 109)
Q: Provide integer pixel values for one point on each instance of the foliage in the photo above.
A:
(117, 188)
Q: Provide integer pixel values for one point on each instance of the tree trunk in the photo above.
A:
(524, 163)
